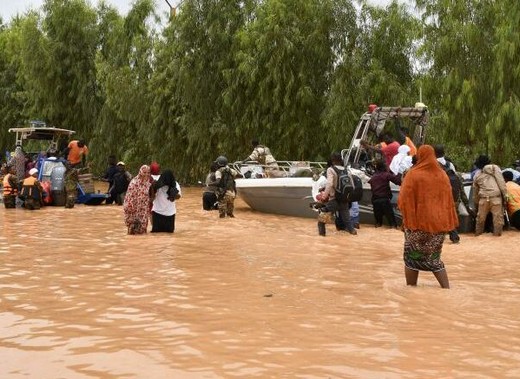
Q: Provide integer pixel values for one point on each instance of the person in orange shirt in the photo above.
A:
(513, 199)
(403, 139)
(77, 152)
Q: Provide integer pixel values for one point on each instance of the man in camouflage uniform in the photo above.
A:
(71, 185)
(225, 182)
(262, 155)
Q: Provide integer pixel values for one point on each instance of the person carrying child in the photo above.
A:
(328, 197)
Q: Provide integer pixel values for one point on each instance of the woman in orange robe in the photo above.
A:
(426, 204)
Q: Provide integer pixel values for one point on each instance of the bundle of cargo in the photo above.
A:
(86, 182)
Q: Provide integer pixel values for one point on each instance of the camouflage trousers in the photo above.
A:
(226, 205)
(71, 199)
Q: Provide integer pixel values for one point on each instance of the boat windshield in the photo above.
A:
(38, 137)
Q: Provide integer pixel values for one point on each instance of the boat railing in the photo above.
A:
(279, 169)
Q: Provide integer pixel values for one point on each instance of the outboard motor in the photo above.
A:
(58, 185)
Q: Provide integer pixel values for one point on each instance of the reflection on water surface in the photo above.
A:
(256, 296)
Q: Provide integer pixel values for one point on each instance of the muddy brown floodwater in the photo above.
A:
(258, 296)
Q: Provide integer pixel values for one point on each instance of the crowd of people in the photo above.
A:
(431, 194)
(21, 171)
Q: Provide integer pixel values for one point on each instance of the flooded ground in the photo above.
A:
(258, 296)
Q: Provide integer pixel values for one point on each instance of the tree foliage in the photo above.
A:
(295, 74)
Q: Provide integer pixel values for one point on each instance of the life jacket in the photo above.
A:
(9, 184)
(31, 188)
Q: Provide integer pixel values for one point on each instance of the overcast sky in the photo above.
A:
(8, 8)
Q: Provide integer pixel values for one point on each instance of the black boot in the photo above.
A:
(321, 229)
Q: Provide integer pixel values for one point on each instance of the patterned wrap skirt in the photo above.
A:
(422, 250)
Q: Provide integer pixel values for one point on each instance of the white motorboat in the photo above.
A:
(293, 195)
(294, 188)
(284, 196)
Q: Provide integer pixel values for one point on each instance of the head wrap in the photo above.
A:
(144, 172)
(401, 162)
(155, 168)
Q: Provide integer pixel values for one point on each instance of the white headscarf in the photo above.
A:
(401, 161)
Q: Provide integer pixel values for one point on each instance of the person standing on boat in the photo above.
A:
(388, 148)
(426, 204)
(77, 152)
(403, 138)
(329, 196)
(225, 181)
(262, 154)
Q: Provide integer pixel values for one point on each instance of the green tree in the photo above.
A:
(285, 63)
(12, 95)
(124, 68)
(503, 130)
(376, 67)
(69, 87)
(458, 45)
(195, 59)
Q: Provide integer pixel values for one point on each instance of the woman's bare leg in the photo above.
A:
(442, 278)
(411, 276)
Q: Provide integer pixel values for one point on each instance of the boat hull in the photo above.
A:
(292, 197)
(283, 196)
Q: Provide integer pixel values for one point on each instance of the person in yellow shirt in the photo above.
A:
(513, 199)
(77, 152)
